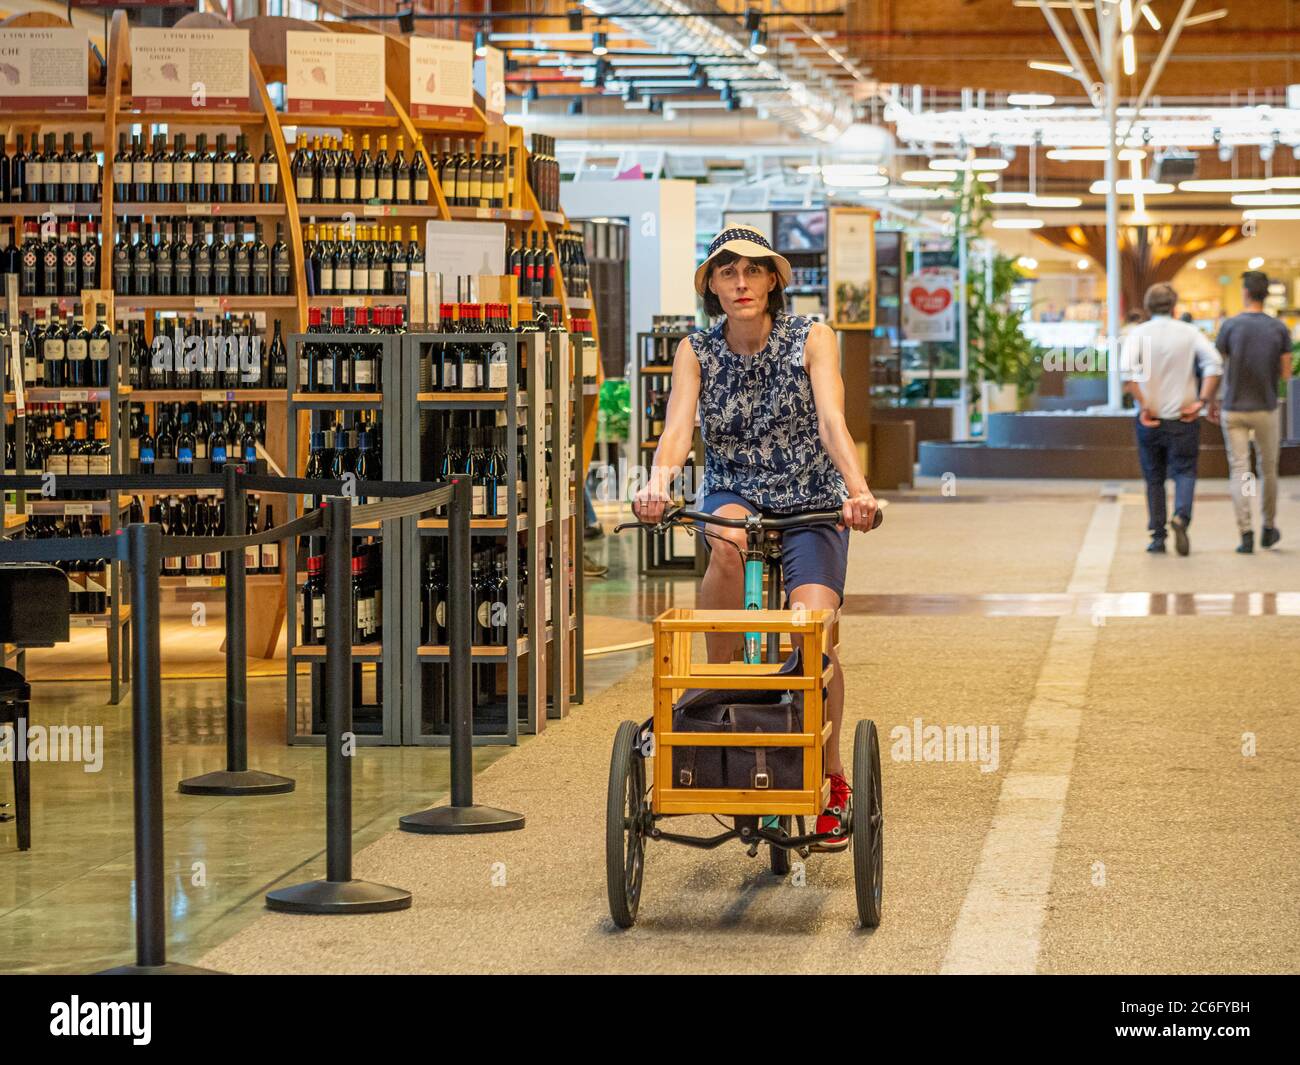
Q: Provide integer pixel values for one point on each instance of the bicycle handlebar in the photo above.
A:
(817, 517)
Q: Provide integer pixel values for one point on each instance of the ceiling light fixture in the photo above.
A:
(1054, 201)
(1289, 182)
(968, 164)
(988, 177)
(1053, 68)
(1030, 99)
(1092, 155)
(1150, 16)
(1266, 199)
(480, 43)
(1258, 260)
(758, 42)
(599, 43)
(1262, 214)
(1083, 264)
(1128, 187)
(1201, 264)
(1027, 262)
(531, 93)
(1223, 185)
(575, 106)
(1009, 197)
(1209, 16)
(753, 20)
(1017, 223)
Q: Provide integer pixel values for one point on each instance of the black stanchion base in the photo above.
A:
(169, 968)
(461, 820)
(236, 782)
(338, 896)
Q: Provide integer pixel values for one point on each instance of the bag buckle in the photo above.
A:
(761, 779)
(686, 778)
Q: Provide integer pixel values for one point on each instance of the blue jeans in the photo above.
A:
(1169, 449)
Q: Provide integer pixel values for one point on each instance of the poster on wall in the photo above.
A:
(930, 305)
(201, 70)
(490, 81)
(852, 254)
(442, 78)
(334, 73)
(43, 69)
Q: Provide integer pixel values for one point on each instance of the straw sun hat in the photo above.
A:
(746, 241)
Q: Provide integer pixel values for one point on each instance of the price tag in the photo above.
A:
(201, 208)
(216, 397)
(378, 210)
(73, 395)
(10, 508)
(200, 582)
(81, 621)
(78, 509)
(356, 301)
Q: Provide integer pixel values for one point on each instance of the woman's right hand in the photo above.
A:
(650, 503)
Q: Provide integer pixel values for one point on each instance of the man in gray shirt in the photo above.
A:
(1256, 351)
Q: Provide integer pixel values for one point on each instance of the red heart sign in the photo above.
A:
(928, 302)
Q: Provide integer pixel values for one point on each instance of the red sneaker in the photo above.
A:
(835, 819)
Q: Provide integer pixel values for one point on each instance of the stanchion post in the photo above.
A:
(338, 892)
(236, 778)
(462, 816)
(144, 555)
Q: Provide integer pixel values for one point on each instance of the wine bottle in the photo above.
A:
(182, 171)
(268, 173)
(245, 171)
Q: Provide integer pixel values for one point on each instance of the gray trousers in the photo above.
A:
(1238, 428)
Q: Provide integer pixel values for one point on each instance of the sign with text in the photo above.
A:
(851, 248)
(334, 73)
(43, 69)
(490, 81)
(930, 304)
(442, 78)
(460, 250)
(200, 70)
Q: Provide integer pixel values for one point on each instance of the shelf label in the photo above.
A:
(380, 210)
(74, 395)
(203, 582)
(334, 73)
(199, 70)
(206, 396)
(81, 621)
(43, 69)
(78, 509)
(442, 78)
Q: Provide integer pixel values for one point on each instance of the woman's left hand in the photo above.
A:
(860, 511)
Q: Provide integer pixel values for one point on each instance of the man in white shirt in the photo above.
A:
(1159, 364)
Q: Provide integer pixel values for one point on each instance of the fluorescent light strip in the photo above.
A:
(1266, 199)
(1127, 188)
(1274, 213)
(925, 177)
(1224, 185)
(1091, 155)
(968, 164)
(1017, 223)
(1054, 201)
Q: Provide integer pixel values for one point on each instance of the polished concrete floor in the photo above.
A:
(1126, 827)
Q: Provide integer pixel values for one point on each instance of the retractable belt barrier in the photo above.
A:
(142, 547)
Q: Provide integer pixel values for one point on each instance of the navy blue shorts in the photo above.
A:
(817, 554)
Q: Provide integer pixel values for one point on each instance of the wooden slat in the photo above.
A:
(742, 621)
(725, 802)
(748, 683)
(736, 739)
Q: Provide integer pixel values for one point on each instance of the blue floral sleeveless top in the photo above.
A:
(759, 422)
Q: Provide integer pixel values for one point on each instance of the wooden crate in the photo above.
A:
(676, 672)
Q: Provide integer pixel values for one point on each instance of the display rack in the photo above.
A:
(115, 398)
(654, 369)
(377, 721)
(529, 531)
